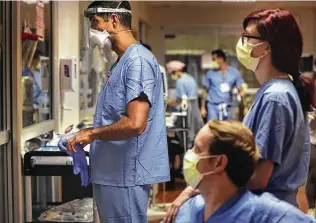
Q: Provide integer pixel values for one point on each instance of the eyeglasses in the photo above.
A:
(245, 37)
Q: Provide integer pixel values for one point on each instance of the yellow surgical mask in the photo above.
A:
(215, 65)
(191, 174)
(243, 51)
(174, 77)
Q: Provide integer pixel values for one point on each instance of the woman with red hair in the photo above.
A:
(271, 46)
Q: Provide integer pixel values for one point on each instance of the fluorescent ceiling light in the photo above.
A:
(238, 0)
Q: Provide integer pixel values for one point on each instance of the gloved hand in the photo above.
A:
(80, 165)
(62, 144)
(79, 159)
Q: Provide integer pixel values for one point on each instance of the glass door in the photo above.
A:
(6, 204)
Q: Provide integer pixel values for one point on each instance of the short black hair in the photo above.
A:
(148, 47)
(219, 53)
(124, 17)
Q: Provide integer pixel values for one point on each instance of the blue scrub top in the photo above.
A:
(186, 85)
(37, 92)
(139, 160)
(244, 207)
(282, 135)
(213, 81)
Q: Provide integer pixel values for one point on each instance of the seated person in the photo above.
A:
(220, 164)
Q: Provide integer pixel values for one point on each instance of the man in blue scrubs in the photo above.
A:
(129, 143)
(218, 84)
(186, 86)
(219, 166)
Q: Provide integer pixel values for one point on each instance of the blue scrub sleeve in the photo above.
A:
(140, 80)
(274, 125)
(295, 215)
(206, 81)
(239, 79)
(36, 88)
(305, 158)
(191, 210)
(180, 90)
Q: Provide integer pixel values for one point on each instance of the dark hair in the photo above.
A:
(236, 141)
(148, 47)
(124, 17)
(279, 28)
(219, 53)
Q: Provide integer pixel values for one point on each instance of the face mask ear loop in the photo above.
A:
(207, 173)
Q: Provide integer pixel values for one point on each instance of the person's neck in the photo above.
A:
(217, 196)
(122, 41)
(265, 74)
(224, 68)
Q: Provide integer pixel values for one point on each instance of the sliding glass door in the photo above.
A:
(6, 204)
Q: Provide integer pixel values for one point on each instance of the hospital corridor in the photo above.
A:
(157, 111)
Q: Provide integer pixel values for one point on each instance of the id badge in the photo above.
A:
(224, 88)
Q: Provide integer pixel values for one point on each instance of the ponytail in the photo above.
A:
(305, 88)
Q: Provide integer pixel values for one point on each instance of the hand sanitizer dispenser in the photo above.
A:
(68, 74)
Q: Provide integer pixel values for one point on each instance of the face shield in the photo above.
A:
(97, 36)
(97, 54)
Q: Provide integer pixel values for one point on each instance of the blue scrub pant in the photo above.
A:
(213, 112)
(121, 204)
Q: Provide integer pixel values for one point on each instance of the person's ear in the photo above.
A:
(267, 50)
(221, 163)
(114, 20)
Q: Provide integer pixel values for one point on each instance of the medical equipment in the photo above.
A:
(157, 211)
(68, 74)
(73, 211)
(165, 84)
(46, 161)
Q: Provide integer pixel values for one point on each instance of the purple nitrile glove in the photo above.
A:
(80, 164)
(62, 144)
(79, 159)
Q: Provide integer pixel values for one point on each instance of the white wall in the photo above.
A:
(195, 18)
(68, 45)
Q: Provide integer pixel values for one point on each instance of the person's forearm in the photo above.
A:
(120, 130)
(261, 176)
(203, 101)
(190, 191)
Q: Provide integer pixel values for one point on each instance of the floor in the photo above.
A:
(170, 195)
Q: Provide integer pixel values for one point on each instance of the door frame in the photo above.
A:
(5, 132)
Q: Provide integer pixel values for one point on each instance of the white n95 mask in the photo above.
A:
(244, 55)
(98, 38)
(191, 174)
